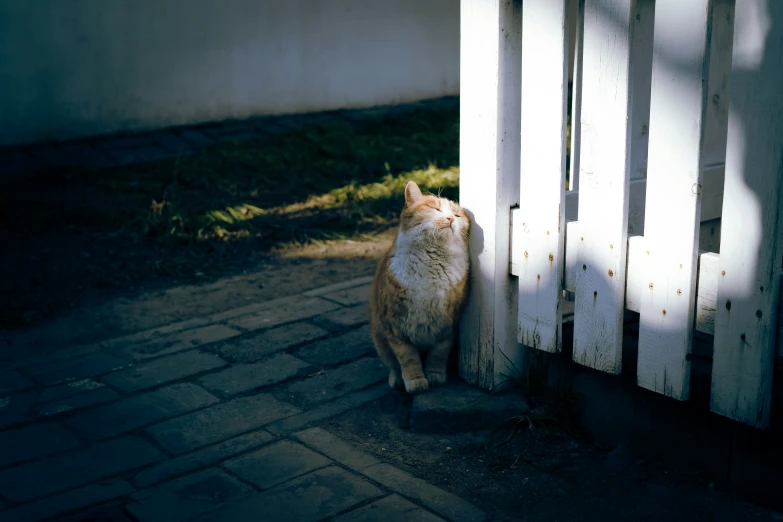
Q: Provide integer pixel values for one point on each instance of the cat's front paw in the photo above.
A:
(436, 378)
(416, 386)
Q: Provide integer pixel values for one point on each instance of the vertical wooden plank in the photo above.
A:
(540, 238)
(603, 185)
(576, 96)
(751, 257)
(673, 205)
(641, 80)
(490, 61)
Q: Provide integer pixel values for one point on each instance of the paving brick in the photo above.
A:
(76, 468)
(350, 296)
(220, 422)
(316, 496)
(337, 449)
(327, 410)
(134, 412)
(245, 377)
(70, 501)
(74, 368)
(287, 311)
(345, 285)
(67, 390)
(17, 409)
(276, 463)
(179, 341)
(201, 458)
(79, 402)
(250, 349)
(34, 441)
(393, 507)
(13, 382)
(187, 497)
(337, 350)
(336, 382)
(163, 370)
(442, 502)
(344, 317)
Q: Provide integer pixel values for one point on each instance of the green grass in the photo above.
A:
(324, 181)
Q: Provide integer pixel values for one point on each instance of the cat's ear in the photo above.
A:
(412, 193)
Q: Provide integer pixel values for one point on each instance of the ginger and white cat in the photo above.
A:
(419, 289)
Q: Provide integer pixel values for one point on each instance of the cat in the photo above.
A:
(419, 290)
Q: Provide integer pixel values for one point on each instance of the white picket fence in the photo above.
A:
(676, 144)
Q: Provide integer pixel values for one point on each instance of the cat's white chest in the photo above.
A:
(428, 281)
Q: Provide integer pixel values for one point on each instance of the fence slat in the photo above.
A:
(603, 184)
(576, 96)
(540, 238)
(490, 60)
(752, 225)
(677, 112)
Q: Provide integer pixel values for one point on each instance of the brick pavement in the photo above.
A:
(214, 418)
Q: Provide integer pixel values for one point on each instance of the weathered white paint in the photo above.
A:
(540, 237)
(673, 207)
(576, 91)
(489, 184)
(74, 68)
(641, 69)
(603, 185)
(752, 225)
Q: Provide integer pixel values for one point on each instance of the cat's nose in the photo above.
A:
(451, 219)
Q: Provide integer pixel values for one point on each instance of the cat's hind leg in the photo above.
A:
(389, 359)
(437, 360)
(410, 366)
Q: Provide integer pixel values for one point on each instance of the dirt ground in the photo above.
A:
(542, 475)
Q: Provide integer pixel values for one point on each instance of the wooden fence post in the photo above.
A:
(490, 63)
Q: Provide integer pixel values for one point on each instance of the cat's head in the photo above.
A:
(433, 217)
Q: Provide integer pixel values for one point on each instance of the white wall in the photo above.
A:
(74, 68)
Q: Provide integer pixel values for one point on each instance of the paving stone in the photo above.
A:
(327, 410)
(344, 317)
(67, 390)
(337, 449)
(70, 501)
(76, 468)
(336, 382)
(276, 463)
(163, 370)
(393, 507)
(34, 441)
(17, 409)
(350, 296)
(137, 411)
(201, 458)
(13, 382)
(250, 349)
(289, 311)
(79, 402)
(361, 281)
(220, 422)
(442, 502)
(74, 368)
(460, 407)
(179, 341)
(337, 350)
(108, 512)
(316, 496)
(155, 333)
(187, 497)
(245, 377)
